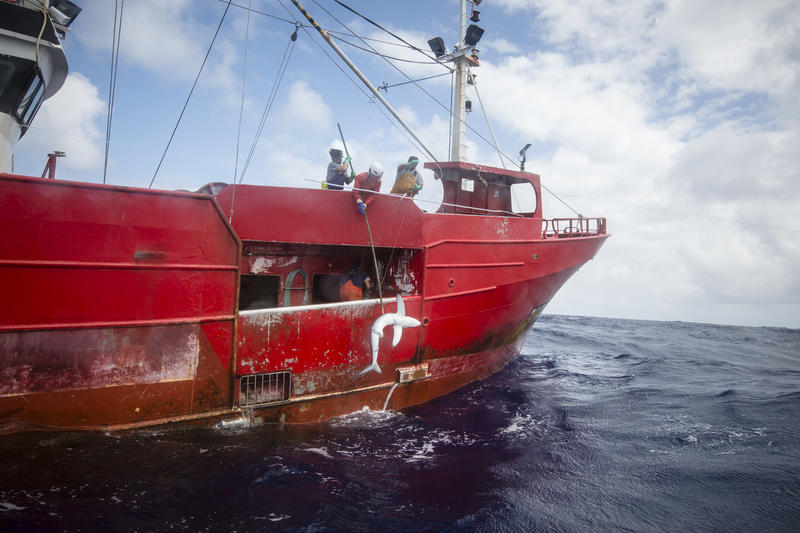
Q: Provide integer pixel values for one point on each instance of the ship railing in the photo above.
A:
(566, 228)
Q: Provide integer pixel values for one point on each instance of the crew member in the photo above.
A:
(355, 288)
(365, 182)
(337, 171)
(408, 180)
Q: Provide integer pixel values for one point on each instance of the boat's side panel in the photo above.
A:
(325, 347)
(118, 304)
(281, 214)
(487, 277)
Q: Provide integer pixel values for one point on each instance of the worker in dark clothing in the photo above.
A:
(366, 182)
(337, 175)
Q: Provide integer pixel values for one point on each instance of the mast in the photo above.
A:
(363, 79)
(463, 57)
(459, 116)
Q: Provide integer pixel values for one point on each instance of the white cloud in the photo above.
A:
(306, 108)
(501, 46)
(67, 122)
(162, 37)
(737, 44)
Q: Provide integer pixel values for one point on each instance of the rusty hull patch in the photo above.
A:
(42, 361)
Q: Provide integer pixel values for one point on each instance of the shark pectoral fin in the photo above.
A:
(398, 333)
(401, 307)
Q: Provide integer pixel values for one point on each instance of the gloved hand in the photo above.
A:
(346, 159)
(349, 179)
(416, 187)
(362, 207)
(324, 184)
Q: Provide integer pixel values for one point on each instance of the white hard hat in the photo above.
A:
(376, 169)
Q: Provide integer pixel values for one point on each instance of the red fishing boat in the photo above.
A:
(126, 307)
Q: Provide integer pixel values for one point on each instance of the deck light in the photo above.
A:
(474, 34)
(474, 17)
(437, 46)
(63, 12)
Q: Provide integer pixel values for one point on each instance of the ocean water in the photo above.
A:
(599, 425)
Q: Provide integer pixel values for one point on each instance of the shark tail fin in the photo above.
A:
(372, 366)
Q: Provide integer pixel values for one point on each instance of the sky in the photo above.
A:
(676, 120)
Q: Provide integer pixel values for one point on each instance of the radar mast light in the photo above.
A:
(474, 34)
(437, 46)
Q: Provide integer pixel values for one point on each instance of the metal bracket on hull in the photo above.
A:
(407, 374)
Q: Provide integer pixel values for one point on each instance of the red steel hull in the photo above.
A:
(125, 308)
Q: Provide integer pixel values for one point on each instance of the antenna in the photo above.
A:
(522, 156)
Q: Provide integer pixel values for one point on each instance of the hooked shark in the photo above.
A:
(399, 320)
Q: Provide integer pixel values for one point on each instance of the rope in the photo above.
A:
(500, 211)
(221, 20)
(375, 261)
(45, 15)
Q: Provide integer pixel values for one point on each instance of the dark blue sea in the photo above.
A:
(600, 425)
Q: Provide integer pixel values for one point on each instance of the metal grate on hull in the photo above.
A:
(264, 389)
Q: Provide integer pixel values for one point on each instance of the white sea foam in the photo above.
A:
(321, 451)
(8, 506)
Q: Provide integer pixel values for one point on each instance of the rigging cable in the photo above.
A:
(112, 79)
(424, 150)
(448, 110)
(241, 111)
(221, 20)
(287, 55)
(251, 10)
(471, 77)
(423, 52)
(360, 88)
(373, 51)
(386, 86)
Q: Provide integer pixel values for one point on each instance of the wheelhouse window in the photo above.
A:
(6, 72)
(523, 199)
(31, 99)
